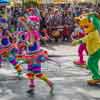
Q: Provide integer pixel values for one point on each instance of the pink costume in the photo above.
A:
(36, 44)
(81, 49)
(34, 56)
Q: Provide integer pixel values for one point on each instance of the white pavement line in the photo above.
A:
(52, 79)
(93, 93)
(6, 72)
(57, 79)
(77, 72)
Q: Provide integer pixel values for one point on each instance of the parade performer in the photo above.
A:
(6, 51)
(34, 56)
(92, 40)
(1, 31)
(78, 33)
(7, 44)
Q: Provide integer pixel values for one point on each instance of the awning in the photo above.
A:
(58, 1)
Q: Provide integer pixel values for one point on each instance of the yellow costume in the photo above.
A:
(92, 40)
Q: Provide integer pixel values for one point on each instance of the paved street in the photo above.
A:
(69, 79)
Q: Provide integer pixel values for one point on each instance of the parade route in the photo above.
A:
(69, 80)
(49, 49)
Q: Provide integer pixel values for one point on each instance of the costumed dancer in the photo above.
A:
(6, 44)
(7, 51)
(1, 31)
(3, 24)
(77, 34)
(92, 40)
(34, 64)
